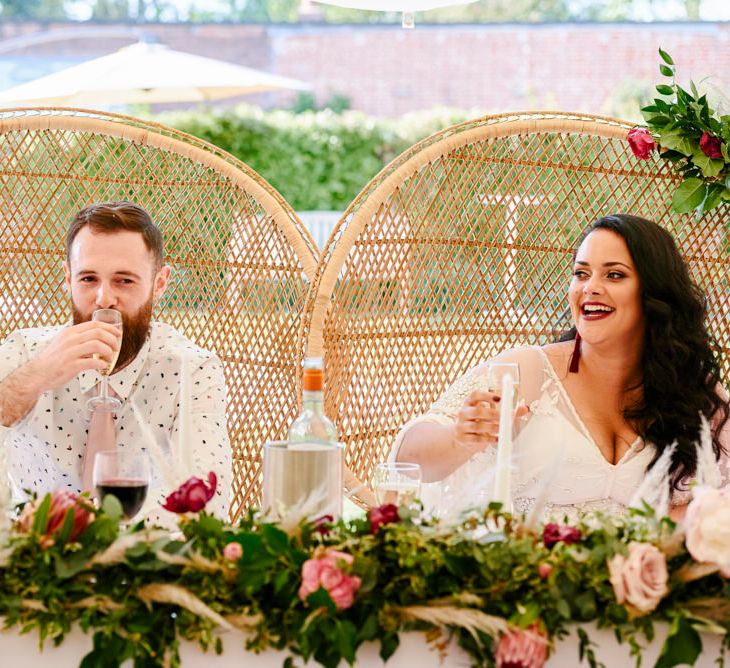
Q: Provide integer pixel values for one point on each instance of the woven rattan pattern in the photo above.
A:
(241, 258)
(462, 247)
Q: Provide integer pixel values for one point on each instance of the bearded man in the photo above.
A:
(114, 259)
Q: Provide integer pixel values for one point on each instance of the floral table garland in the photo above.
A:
(502, 590)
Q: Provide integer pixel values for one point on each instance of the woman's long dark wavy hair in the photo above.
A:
(680, 370)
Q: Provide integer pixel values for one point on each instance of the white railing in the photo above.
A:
(320, 224)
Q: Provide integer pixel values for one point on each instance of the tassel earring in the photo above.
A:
(575, 357)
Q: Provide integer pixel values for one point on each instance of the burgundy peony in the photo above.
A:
(522, 648)
(62, 501)
(710, 145)
(192, 495)
(380, 515)
(326, 571)
(559, 533)
(322, 525)
(641, 142)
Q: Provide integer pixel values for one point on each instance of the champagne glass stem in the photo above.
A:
(104, 388)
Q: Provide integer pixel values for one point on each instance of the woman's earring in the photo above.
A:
(575, 357)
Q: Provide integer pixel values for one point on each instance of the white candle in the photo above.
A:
(183, 430)
(502, 483)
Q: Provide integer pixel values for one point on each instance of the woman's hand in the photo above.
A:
(477, 423)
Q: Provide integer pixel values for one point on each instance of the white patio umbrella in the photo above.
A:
(145, 72)
(407, 7)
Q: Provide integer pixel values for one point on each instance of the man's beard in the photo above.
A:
(135, 329)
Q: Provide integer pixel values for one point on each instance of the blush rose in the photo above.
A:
(639, 579)
(328, 571)
(707, 528)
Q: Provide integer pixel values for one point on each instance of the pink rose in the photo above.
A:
(380, 515)
(640, 579)
(641, 142)
(233, 551)
(707, 527)
(559, 533)
(522, 648)
(710, 145)
(62, 502)
(192, 495)
(327, 572)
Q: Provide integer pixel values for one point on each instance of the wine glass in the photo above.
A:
(496, 372)
(397, 482)
(104, 402)
(126, 475)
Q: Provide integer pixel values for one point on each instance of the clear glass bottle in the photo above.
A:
(313, 426)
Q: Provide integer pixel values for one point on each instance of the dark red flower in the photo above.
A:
(192, 495)
(641, 142)
(559, 533)
(710, 145)
(380, 515)
(322, 524)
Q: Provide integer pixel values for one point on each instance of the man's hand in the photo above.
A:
(71, 351)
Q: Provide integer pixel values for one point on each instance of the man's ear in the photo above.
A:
(66, 276)
(161, 278)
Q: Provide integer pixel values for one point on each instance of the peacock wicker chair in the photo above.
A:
(462, 246)
(241, 258)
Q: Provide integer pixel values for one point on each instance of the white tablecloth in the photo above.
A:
(22, 650)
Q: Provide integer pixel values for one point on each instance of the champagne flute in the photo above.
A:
(496, 372)
(104, 402)
(397, 482)
(124, 474)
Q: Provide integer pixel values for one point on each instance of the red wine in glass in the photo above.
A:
(126, 475)
(130, 493)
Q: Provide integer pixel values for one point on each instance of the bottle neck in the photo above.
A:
(313, 399)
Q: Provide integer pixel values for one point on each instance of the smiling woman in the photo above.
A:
(632, 379)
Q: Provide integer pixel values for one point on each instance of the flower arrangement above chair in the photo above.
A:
(689, 134)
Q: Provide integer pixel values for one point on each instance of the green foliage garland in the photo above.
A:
(139, 592)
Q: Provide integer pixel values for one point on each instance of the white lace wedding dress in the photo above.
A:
(555, 457)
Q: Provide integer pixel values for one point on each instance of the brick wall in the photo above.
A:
(387, 71)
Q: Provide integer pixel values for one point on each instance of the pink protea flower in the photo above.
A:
(522, 648)
(62, 501)
(641, 142)
(326, 571)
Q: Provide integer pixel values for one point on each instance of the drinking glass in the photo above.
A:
(126, 475)
(496, 371)
(104, 402)
(397, 482)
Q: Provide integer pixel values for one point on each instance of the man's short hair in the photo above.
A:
(110, 217)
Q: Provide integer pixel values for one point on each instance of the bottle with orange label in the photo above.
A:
(313, 426)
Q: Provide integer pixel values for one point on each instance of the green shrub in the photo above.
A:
(318, 160)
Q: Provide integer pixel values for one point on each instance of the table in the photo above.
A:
(413, 651)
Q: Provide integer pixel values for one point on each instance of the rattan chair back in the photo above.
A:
(241, 258)
(462, 247)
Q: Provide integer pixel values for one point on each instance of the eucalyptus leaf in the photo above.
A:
(666, 71)
(665, 57)
(663, 89)
(689, 195)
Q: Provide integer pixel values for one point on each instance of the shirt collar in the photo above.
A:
(121, 382)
